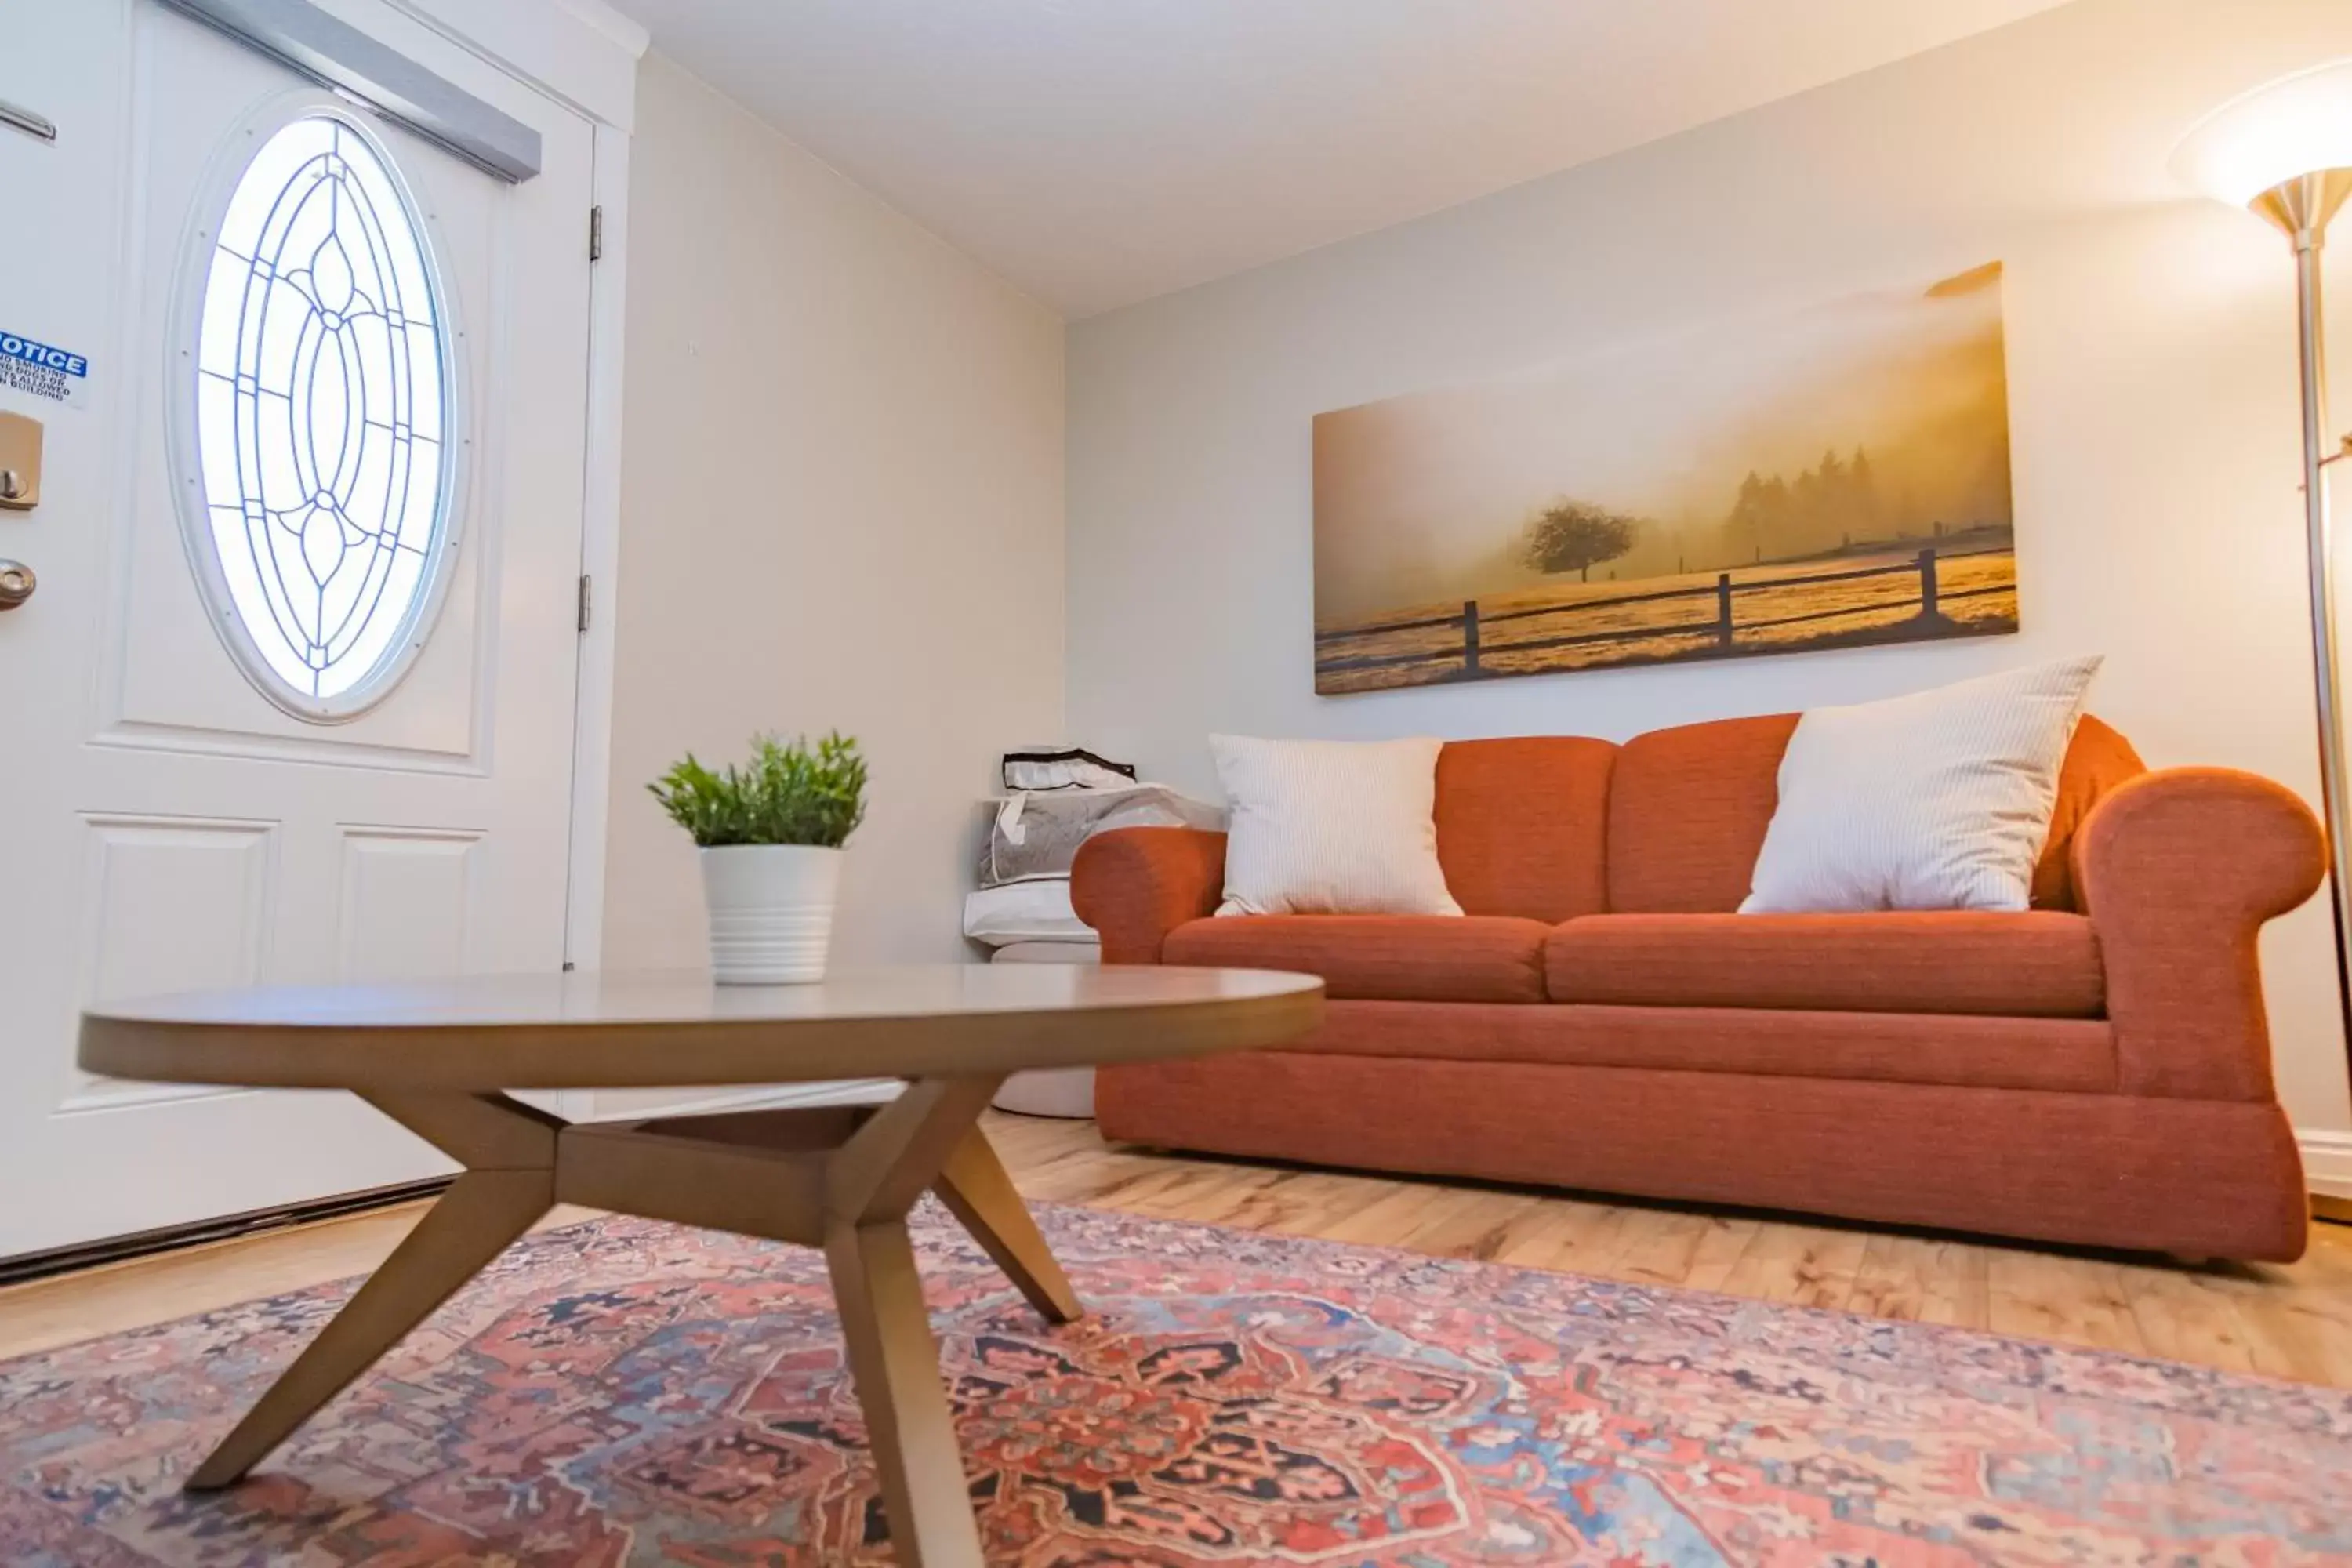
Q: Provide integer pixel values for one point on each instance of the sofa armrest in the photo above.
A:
(1135, 885)
(2179, 869)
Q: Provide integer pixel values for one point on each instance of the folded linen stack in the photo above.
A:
(1055, 800)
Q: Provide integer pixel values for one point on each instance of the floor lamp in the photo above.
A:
(2285, 152)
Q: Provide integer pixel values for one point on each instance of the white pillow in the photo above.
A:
(1940, 800)
(1331, 827)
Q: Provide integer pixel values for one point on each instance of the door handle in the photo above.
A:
(16, 584)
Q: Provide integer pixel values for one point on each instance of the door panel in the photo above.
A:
(172, 827)
(144, 874)
(408, 903)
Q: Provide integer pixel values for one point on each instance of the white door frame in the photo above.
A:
(584, 53)
(600, 555)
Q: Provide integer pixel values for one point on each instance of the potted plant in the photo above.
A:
(770, 835)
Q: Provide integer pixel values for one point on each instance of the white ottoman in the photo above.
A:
(1064, 1091)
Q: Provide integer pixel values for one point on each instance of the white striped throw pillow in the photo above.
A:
(1940, 800)
(1331, 827)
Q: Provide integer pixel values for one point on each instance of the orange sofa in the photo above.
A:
(2096, 1070)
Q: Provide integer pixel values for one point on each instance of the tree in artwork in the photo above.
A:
(1576, 536)
(1827, 506)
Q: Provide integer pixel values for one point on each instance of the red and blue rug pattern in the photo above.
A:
(626, 1393)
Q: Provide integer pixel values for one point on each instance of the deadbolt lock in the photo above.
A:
(16, 584)
(20, 462)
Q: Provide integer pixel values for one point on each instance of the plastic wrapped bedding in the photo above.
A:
(1068, 767)
(1038, 835)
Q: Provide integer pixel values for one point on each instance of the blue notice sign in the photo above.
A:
(42, 370)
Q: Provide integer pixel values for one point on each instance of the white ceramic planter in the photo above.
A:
(770, 912)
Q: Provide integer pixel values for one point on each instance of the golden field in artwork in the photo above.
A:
(1836, 479)
(1843, 602)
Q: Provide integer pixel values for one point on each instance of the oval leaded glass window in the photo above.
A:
(321, 428)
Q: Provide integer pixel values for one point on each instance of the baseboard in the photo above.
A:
(28, 1266)
(2327, 1161)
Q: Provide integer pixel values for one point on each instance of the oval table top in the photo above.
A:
(618, 1030)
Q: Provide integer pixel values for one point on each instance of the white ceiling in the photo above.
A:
(1100, 152)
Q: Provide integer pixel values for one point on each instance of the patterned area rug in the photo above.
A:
(623, 1391)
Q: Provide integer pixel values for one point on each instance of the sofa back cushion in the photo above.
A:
(1522, 825)
(1687, 811)
(2098, 760)
(1689, 808)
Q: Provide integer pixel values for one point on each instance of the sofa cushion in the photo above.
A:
(2069, 1055)
(2035, 965)
(1689, 808)
(2096, 761)
(1522, 825)
(1419, 958)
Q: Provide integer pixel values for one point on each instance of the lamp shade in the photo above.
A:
(2300, 125)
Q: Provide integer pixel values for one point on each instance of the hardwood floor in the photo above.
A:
(2294, 1321)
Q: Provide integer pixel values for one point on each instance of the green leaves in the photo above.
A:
(789, 795)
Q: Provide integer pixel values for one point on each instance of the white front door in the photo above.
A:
(293, 700)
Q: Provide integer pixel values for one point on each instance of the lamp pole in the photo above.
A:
(2302, 207)
(2285, 150)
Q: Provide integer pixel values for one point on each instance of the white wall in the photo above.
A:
(841, 507)
(2152, 375)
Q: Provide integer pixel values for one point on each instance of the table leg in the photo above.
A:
(979, 1190)
(482, 1212)
(843, 1183)
(895, 1361)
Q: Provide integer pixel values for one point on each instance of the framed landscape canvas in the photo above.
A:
(1834, 479)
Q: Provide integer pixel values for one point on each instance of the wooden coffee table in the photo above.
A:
(438, 1057)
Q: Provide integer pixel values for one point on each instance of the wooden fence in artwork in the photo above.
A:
(1720, 630)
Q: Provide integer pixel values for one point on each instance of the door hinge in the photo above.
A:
(585, 600)
(595, 234)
